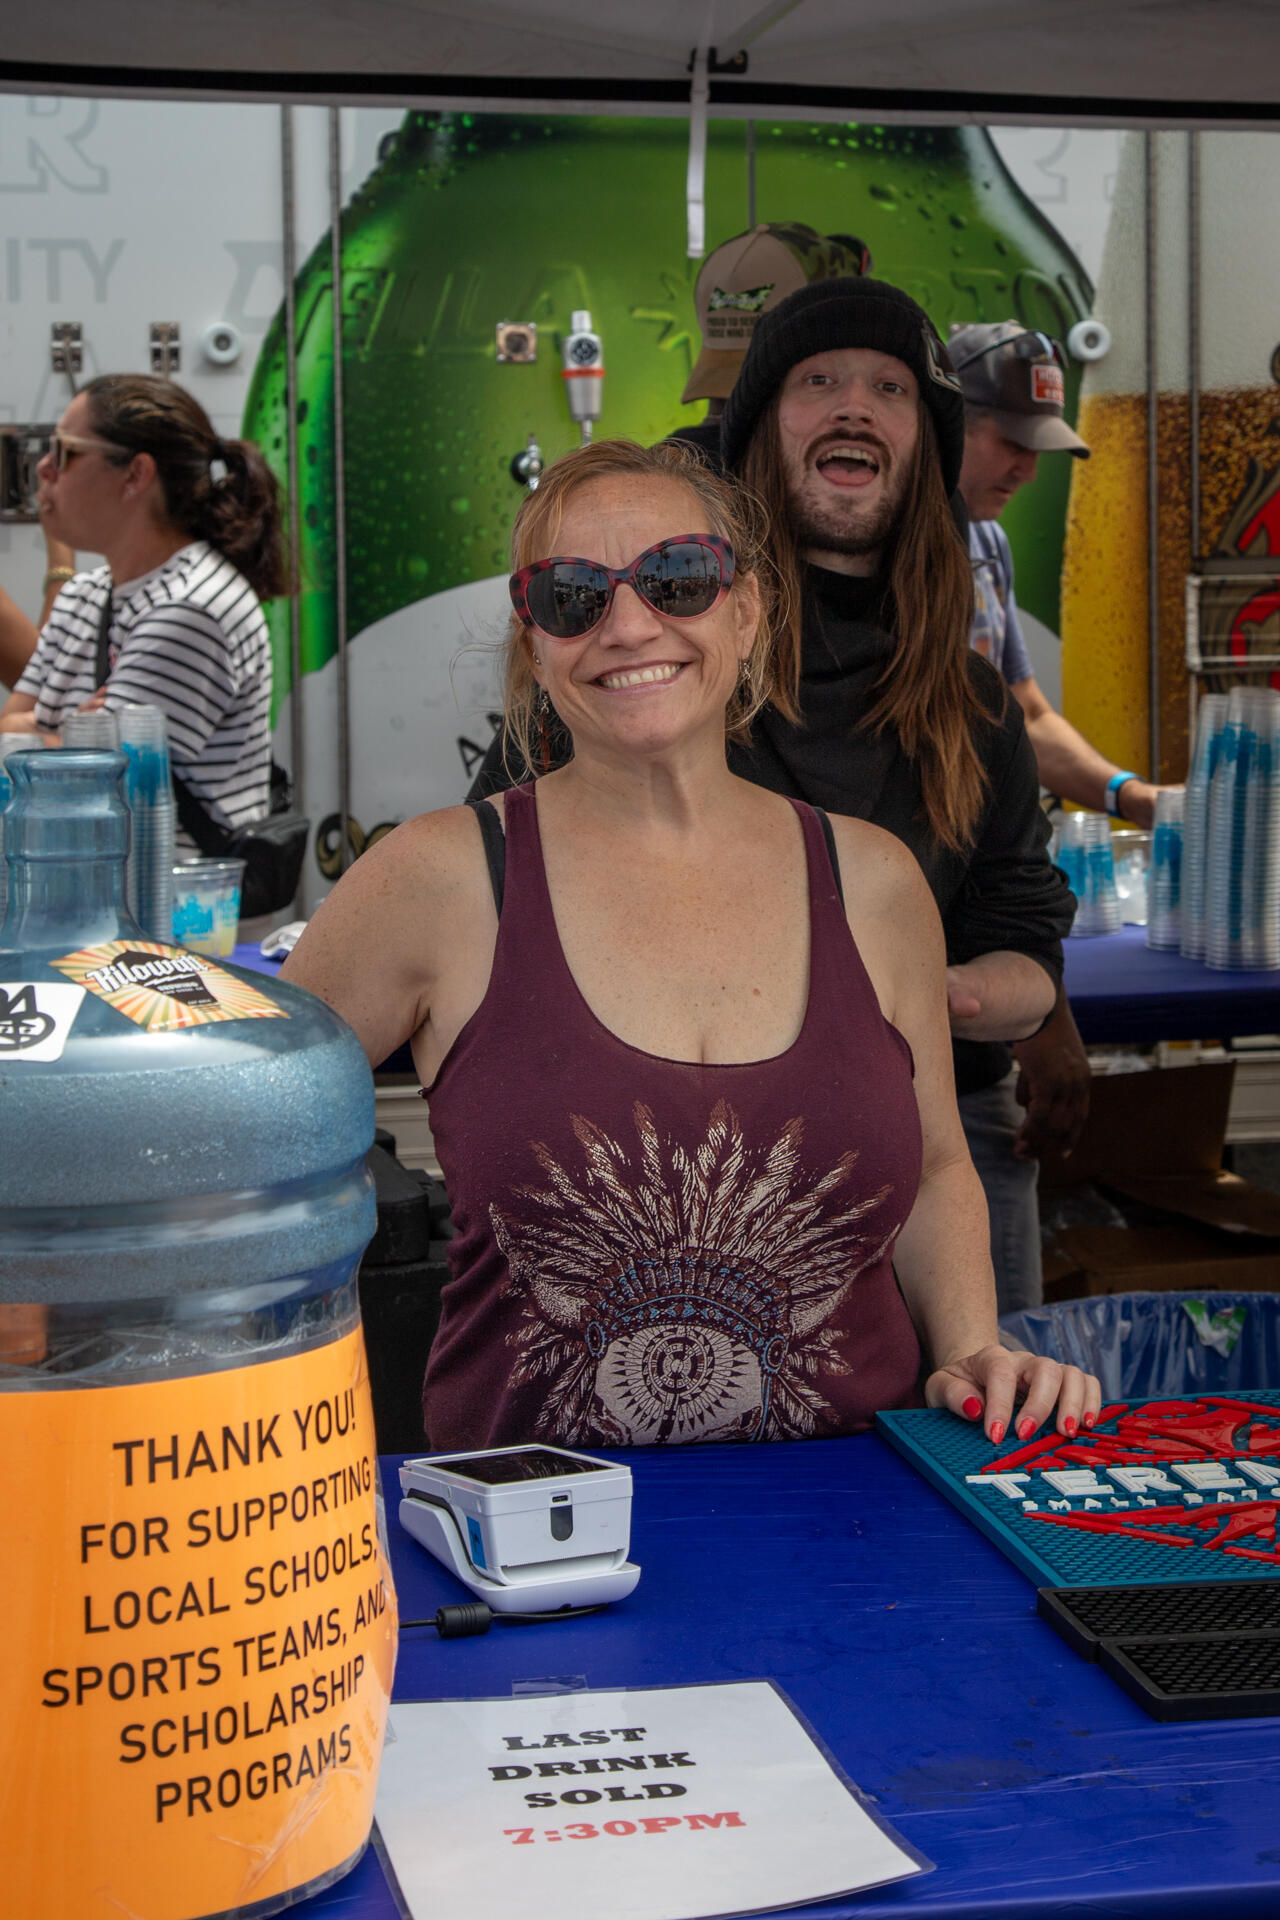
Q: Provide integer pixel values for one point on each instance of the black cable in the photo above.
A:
(474, 1617)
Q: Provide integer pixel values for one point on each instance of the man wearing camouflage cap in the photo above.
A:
(746, 277)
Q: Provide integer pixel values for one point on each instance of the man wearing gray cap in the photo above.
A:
(1014, 395)
(1014, 392)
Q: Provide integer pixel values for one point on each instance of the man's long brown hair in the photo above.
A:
(925, 693)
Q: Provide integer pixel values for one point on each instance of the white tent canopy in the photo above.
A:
(1120, 62)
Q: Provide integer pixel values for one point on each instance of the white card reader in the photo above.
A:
(529, 1529)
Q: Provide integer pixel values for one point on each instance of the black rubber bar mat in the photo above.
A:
(1204, 1651)
(1219, 1676)
(1085, 1616)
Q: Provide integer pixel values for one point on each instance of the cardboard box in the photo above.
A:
(1156, 1139)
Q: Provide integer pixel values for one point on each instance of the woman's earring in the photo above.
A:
(542, 707)
(537, 659)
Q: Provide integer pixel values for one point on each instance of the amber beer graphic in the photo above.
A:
(1105, 573)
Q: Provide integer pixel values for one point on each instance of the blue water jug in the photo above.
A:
(199, 1650)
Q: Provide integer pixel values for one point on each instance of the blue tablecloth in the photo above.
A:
(1120, 992)
(913, 1647)
(1123, 994)
(249, 954)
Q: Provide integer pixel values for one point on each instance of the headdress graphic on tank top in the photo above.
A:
(672, 1295)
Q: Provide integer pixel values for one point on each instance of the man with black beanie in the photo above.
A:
(848, 420)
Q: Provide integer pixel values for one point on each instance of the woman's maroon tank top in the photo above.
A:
(654, 1250)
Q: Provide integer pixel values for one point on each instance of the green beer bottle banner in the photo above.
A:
(471, 220)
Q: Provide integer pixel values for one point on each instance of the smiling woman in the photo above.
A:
(695, 1113)
(609, 485)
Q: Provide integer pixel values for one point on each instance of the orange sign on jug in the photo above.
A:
(200, 1637)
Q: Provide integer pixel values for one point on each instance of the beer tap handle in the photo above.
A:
(526, 467)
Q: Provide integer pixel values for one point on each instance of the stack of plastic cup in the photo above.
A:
(1224, 905)
(1210, 720)
(1102, 898)
(1084, 854)
(1228, 793)
(1164, 882)
(1242, 888)
(1261, 859)
(1068, 852)
(149, 877)
(97, 729)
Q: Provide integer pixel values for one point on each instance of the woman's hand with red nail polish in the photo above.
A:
(992, 1381)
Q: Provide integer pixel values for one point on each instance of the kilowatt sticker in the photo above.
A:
(35, 1018)
(161, 988)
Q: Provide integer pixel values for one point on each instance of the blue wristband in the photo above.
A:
(1111, 798)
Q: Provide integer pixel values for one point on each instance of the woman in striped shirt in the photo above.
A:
(189, 525)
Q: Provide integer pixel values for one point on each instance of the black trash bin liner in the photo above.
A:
(1144, 1345)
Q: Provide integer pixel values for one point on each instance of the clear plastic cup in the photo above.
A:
(97, 729)
(144, 737)
(206, 905)
(1131, 852)
(1164, 886)
(1070, 856)
(1104, 900)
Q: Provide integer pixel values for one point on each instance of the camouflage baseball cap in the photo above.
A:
(746, 277)
(1016, 375)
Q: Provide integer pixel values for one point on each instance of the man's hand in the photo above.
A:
(1136, 801)
(962, 1002)
(999, 996)
(1053, 1086)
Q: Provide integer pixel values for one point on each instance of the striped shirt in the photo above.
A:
(189, 638)
(997, 631)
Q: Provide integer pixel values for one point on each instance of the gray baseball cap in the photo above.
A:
(1016, 375)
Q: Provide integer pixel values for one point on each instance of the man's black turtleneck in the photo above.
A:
(1003, 893)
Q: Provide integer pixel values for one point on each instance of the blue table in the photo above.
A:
(1123, 994)
(249, 955)
(913, 1648)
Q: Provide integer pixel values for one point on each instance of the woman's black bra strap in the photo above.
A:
(832, 855)
(495, 847)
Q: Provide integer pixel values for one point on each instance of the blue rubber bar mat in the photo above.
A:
(1160, 1492)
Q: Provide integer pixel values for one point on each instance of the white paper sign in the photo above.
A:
(35, 1018)
(655, 1804)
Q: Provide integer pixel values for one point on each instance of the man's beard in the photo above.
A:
(821, 529)
(829, 520)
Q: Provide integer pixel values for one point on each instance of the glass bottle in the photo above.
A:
(471, 220)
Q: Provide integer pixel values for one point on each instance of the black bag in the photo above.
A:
(273, 848)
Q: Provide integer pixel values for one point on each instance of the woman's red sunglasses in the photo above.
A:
(680, 578)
